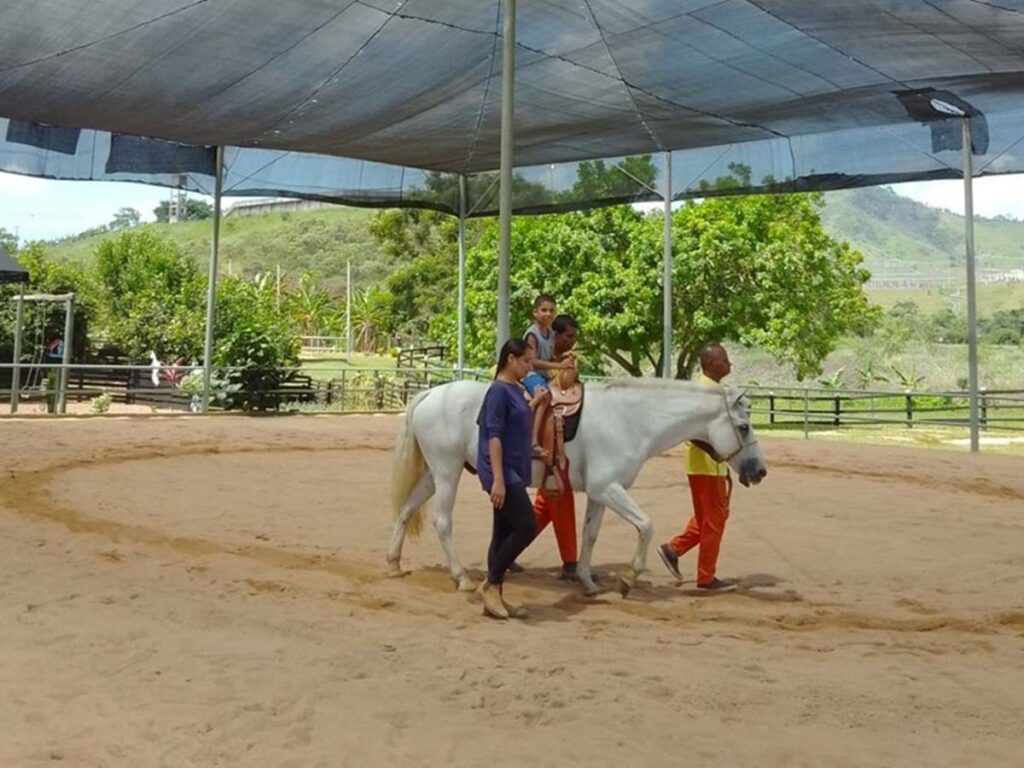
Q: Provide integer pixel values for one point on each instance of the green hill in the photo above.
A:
(319, 240)
(897, 234)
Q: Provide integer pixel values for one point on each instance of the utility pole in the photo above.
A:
(348, 311)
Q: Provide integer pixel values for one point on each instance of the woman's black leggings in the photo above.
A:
(514, 529)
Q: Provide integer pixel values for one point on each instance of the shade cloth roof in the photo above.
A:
(10, 270)
(404, 94)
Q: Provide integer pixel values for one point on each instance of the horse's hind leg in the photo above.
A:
(422, 491)
(444, 502)
(591, 525)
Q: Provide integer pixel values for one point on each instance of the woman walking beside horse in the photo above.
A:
(503, 465)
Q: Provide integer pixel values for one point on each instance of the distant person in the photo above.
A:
(709, 490)
(154, 368)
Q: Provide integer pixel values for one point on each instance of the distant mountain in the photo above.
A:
(897, 234)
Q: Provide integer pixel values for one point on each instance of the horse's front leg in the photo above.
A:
(622, 503)
(444, 502)
(591, 525)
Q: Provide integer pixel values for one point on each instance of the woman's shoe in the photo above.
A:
(490, 595)
(514, 611)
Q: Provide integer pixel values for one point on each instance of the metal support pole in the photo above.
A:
(277, 290)
(19, 319)
(461, 355)
(211, 288)
(65, 372)
(972, 314)
(508, 73)
(348, 311)
(666, 274)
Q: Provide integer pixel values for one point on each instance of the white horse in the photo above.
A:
(623, 424)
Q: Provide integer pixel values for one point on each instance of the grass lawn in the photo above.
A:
(943, 438)
(324, 368)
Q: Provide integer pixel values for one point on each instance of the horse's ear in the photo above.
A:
(741, 399)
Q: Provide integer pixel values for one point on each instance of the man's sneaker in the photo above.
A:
(671, 560)
(717, 585)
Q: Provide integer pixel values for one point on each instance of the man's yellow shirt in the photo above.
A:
(697, 461)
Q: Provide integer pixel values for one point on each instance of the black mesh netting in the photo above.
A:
(386, 102)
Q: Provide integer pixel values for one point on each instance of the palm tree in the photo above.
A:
(370, 314)
(311, 307)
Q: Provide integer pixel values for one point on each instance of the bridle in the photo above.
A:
(735, 427)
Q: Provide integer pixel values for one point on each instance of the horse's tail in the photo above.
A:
(407, 466)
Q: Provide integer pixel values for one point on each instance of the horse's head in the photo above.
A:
(732, 437)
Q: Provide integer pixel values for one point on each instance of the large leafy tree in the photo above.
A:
(762, 270)
(153, 297)
(758, 270)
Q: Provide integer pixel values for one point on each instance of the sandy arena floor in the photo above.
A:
(210, 592)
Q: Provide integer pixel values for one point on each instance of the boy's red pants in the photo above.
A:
(707, 524)
(560, 511)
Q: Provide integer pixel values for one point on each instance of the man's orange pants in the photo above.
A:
(706, 525)
(560, 511)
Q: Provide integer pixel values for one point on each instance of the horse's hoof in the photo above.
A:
(466, 584)
(590, 589)
(627, 581)
(395, 570)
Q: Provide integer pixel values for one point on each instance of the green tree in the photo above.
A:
(43, 321)
(153, 298)
(947, 327)
(256, 344)
(759, 270)
(405, 234)
(583, 259)
(311, 307)
(8, 241)
(125, 218)
(898, 326)
(371, 311)
(1004, 327)
(628, 178)
(195, 210)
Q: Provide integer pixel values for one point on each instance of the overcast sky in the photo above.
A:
(40, 209)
